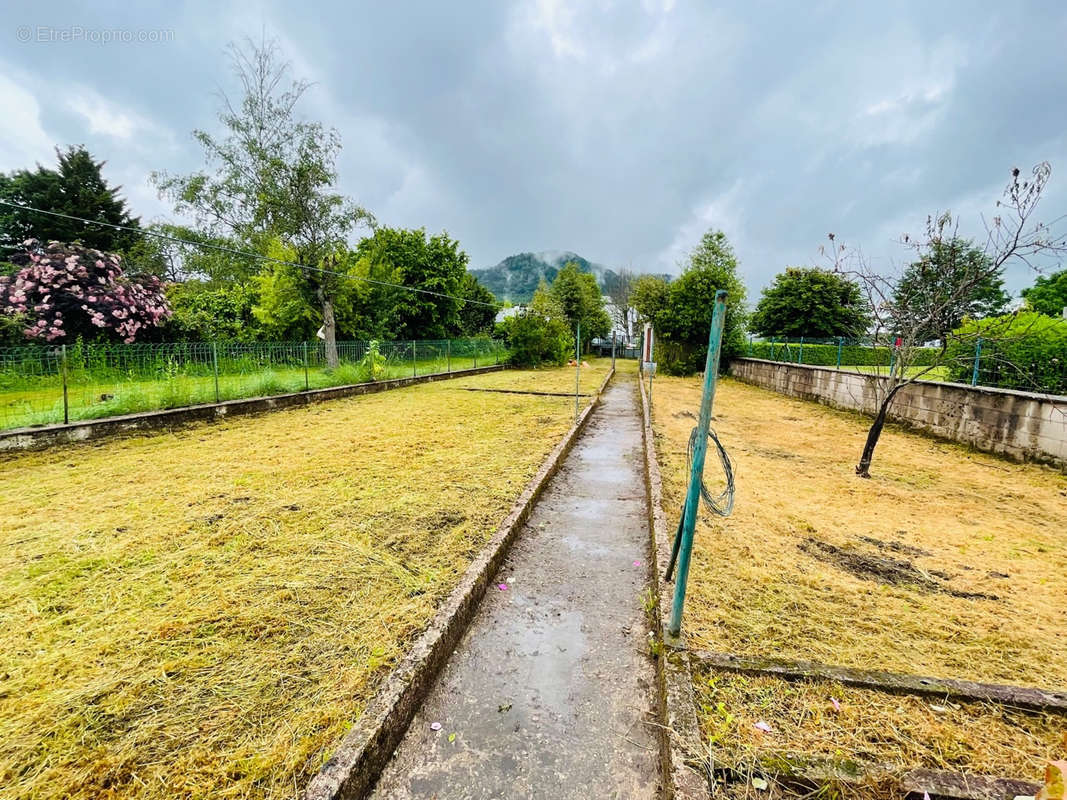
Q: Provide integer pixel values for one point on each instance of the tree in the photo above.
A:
(649, 295)
(579, 297)
(1048, 295)
(432, 265)
(67, 291)
(204, 312)
(271, 180)
(929, 290)
(539, 334)
(685, 318)
(811, 302)
(78, 188)
(908, 316)
(478, 311)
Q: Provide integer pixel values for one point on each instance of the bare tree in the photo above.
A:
(904, 312)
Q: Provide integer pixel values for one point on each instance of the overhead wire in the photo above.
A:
(247, 254)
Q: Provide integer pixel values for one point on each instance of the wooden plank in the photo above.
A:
(959, 786)
(816, 774)
(1016, 696)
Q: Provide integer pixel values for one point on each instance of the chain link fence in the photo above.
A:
(977, 362)
(65, 383)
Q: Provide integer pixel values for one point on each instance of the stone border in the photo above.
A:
(353, 769)
(48, 435)
(682, 753)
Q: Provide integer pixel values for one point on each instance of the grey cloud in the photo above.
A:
(617, 130)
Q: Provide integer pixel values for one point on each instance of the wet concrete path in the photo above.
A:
(550, 693)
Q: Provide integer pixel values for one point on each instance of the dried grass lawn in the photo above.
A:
(203, 613)
(947, 562)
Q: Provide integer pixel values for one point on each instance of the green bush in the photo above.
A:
(533, 339)
(1025, 350)
(825, 355)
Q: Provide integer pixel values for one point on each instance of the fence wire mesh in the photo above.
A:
(977, 362)
(55, 384)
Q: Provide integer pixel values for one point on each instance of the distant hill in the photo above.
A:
(516, 277)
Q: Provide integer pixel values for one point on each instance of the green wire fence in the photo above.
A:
(42, 385)
(975, 363)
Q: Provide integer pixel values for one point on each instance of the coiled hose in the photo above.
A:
(722, 504)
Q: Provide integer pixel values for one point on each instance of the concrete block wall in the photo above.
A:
(1020, 425)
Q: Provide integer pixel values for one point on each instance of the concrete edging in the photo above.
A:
(48, 435)
(353, 769)
(682, 753)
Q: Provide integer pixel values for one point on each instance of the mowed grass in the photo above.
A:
(204, 612)
(589, 376)
(92, 398)
(947, 562)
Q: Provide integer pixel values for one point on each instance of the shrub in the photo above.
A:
(825, 355)
(1025, 350)
(533, 339)
(66, 291)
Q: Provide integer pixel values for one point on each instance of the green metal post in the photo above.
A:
(613, 349)
(577, 368)
(307, 376)
(448, 355)
(800, 357)
(215, 367)
(414, 369)
(63, 369)
(840, 341)
(750, 345)
(892, 359)
(977, 361)
(772, 350)
(700, 450)
(476, 355)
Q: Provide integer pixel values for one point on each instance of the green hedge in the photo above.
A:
(825, 355)
(1025, 350)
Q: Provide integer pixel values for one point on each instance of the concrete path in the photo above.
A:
(549, 693)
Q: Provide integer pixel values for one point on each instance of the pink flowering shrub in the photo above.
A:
(66, 291)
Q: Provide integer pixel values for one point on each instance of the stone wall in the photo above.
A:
(1019, 425)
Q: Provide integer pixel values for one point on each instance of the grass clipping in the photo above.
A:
(204, 613)
(947, 563)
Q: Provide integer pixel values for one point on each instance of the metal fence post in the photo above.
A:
(414, 368)
(613, 349)
(577, 369)
(63, 370)
(448, 355)
(215, 367)
(800, 356)
(977, 361)
(307, 377)
(696, 475)
(476, 354)
(840, 341)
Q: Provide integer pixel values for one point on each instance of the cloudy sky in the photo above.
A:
(619, 130)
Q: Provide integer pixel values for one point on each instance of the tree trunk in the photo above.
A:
(329, 329)
(863, 469)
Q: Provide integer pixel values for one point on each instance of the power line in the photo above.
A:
(246, 254)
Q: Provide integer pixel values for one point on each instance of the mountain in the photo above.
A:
(516, 277)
